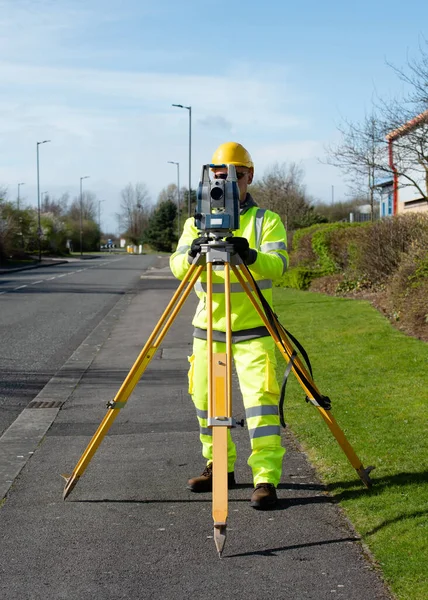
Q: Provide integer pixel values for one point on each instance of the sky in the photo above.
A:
(98, 78)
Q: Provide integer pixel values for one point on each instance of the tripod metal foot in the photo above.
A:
(219, 537)
(364, 475)
(70, 482)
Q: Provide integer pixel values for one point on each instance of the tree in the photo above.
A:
(406, 124)
(362, 156)
(281, 190)
(416, 77)
(408, 139)
(85, 207)
(171, 193)
(160, 232)
(134, 207)
(185, 201)
(168, 193)
(18, 229)
(90, 234)
(56, 207)
(7, 227)
(55, 232)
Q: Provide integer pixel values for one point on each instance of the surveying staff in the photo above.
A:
(261, 243)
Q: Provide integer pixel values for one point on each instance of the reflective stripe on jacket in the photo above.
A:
(266, 234)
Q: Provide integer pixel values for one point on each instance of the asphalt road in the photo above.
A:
(130, 529)
(46, 313)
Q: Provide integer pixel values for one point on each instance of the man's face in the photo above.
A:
(244, 176)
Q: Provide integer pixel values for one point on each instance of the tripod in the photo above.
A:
(217, 252)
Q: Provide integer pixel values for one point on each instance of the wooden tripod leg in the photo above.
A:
(219, 430)
(286, 348)
(134, 375)
(220, 412)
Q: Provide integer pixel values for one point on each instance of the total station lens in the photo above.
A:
(216, 193)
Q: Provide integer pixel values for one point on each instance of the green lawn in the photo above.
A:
(377, 380)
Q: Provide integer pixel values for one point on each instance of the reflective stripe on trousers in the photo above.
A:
(255, 366)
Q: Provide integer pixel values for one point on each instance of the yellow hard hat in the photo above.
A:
(232, 153)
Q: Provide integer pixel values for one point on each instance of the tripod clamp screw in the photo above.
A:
(115, 405)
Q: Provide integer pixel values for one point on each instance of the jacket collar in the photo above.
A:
(247, 204)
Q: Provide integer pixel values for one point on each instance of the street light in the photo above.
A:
(19, 185)
(189, 108)
(171, 162)
(39, 227)
(81, 213)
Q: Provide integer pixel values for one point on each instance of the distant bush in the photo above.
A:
(299, 278)
(7, 233)
(306, 232)
(327, 248)
(321, 244)
(408, 291)
(384, 244)
(345, 247)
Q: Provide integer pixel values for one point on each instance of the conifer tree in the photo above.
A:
(160, 232)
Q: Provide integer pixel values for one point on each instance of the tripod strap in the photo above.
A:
(283, 386)
(318, 399)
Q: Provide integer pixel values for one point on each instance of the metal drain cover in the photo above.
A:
(45, 404)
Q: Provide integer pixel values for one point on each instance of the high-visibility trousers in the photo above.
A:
(255, 364)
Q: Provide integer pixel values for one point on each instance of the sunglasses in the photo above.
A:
(224, 175)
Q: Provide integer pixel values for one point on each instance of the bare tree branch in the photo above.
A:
(134, 210)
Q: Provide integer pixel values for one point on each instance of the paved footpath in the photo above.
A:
(131, 529)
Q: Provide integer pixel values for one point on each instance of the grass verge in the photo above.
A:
(377, 379)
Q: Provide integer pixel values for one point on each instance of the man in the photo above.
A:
(261, 243)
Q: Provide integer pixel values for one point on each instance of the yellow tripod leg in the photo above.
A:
(219, 411)
(134, 375)
(220, 496)
(282, 342)
(363, 473)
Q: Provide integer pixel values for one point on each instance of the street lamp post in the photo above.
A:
(19, 197)
(171, 162)
(189, 108)
(39, 227)
(81, 213)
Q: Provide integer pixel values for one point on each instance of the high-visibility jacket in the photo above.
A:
(265, 233)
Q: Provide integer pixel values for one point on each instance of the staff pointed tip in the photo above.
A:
(220, 538)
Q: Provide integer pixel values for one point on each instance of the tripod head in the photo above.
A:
(217, 203)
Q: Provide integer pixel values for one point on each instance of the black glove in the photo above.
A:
(195, 248)
(242, 247)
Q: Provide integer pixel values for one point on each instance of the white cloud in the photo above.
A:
(118, 125)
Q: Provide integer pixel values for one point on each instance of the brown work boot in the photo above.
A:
(264, 496)
(204, 483)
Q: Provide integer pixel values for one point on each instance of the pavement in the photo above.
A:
(130, 528)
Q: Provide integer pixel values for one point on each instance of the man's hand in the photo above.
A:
(242, 247)
(195, 248)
